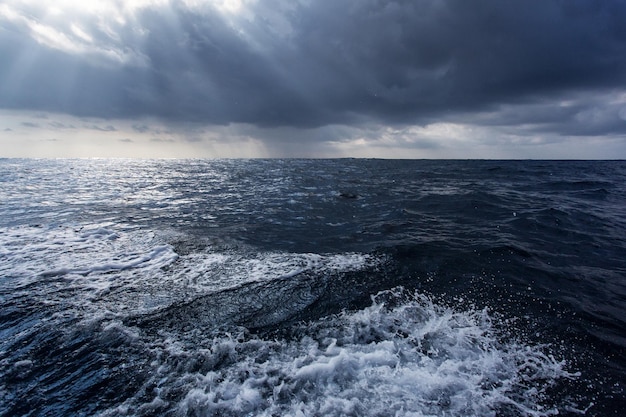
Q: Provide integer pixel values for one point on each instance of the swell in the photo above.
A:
(65, 367)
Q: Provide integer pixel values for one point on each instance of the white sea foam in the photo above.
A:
(32, 253)
(118, 270)
(403, 356)
(209, 271)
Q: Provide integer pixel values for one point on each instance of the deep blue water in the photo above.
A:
(312, 287)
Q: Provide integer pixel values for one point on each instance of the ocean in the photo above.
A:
(295, 287)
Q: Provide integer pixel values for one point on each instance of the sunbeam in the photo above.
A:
(427, 78)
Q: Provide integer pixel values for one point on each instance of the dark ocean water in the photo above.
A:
(312, 288)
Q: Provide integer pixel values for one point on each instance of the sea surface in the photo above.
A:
(340, 287)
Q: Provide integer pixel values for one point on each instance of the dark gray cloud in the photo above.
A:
(564, 114)
(107, 128)
(333, 62)
(141, 128)
(60, 125)
(30, 124)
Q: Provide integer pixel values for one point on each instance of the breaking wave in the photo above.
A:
(403, 356)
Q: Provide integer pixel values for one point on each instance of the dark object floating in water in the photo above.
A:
(349, 196)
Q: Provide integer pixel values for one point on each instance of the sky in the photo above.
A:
(313, 78)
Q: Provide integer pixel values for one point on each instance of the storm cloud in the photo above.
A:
(544, 65)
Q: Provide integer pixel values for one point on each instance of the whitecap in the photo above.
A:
(403, 356)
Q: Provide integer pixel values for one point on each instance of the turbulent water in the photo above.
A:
(312, 288)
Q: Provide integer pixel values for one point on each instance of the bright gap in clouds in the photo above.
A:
(94, 27)
(230, 6)
(118, 10)
(76, 28)
(108, 8)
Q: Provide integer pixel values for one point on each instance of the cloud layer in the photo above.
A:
(549, 66)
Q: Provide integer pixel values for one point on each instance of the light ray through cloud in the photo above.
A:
(425, 76)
